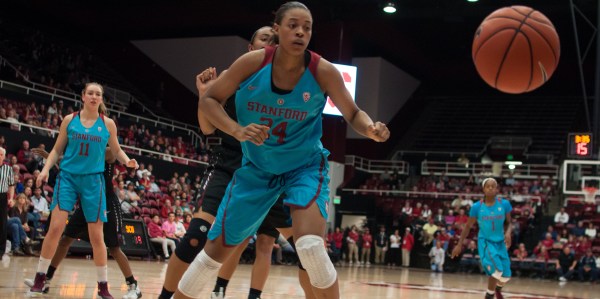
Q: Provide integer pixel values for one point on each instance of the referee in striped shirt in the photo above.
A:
(7, 190)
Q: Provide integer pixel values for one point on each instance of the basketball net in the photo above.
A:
(590, 194)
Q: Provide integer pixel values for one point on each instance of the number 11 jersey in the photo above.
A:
(84, 153)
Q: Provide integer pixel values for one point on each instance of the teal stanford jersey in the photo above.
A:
(490, 241)
(294, 117)
(491, 219)
(292, 161)
(84, 153)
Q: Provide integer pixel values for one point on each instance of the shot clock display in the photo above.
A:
(580, 145)
(135, 240)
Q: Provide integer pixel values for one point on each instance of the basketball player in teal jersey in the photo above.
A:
(494, 238)
(77, 229)
(279, 107)
(225, 159)
(83, 137)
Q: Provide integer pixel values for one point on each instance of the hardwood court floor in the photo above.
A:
(76, 279)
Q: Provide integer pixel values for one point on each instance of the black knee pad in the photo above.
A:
(193, 241)
(291, 241)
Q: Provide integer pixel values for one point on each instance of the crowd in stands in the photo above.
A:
(135, 135)
(437, 221)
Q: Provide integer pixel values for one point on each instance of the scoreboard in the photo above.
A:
(580, 145)
(134, 238)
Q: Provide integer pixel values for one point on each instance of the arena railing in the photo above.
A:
(447, 195)
(377, 166)
(54, 133)
(195, 137)
(401, 154)
(124, 98)
(498, 169)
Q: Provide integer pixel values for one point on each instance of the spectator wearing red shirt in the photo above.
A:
(156, 235)
(416, 211)
(584, 245)
(461, 219)
(352, 239)
(338, 237)
(186, 221)
(407, 245)
(165, 209)
(24, 154)
(444, 237)
(548, 242)
(367, 242)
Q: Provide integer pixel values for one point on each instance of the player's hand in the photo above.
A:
(378, 132)
(457, 250)
(508, 240)
(132, 164)
(254, 133)
(42, 178)
(40, 152)
(205, 79)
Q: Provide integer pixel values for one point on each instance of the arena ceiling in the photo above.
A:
(430, 39)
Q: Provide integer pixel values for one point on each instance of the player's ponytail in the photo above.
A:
(102, 109)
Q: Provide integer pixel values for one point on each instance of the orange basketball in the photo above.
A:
(516, 49)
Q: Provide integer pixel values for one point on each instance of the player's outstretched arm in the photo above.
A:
(332, 83)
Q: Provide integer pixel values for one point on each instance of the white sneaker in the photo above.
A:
(217, 295)
(29, 282)
(562, 278)
(133, 292)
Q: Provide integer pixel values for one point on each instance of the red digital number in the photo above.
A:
(582, 149)
(138, 240)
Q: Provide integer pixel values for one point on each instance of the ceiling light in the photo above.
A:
(390, 7)
(472, 0)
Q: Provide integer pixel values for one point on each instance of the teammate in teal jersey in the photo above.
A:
(279, 106)
(83, 137)
(492, 214)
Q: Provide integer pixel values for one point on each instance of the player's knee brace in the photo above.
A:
(202, 270)
(291, 241)
(312, 253)
(193, 241)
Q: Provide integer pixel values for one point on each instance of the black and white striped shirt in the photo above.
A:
(7, 178)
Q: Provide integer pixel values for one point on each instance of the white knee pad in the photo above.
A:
(202, 270)
(314, 258)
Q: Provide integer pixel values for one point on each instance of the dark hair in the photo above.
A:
(256, 32)
(285, 7)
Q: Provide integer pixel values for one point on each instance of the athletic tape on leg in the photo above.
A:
(312, 253)
(202, 270)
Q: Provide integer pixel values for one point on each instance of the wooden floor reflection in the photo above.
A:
(76, 279)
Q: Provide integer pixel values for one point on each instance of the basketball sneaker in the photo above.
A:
(499, 293)
(217, 295)
(38, 285)
(133, 292)
(29, 282)
(103, 290)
